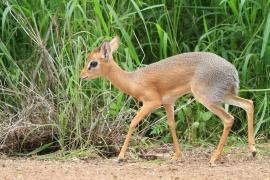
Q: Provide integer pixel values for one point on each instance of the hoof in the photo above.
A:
(254, 153)
(253, 150)
(173, 161)
(212, 164)
(120, 160)
(213, 160)
(175, 158)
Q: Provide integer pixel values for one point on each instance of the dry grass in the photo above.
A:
(30, 128)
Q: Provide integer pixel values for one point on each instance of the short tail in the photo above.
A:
(235, 86)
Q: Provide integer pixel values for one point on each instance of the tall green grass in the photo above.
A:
(43, 45)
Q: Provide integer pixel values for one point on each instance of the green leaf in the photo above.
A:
(206, 115)
(39, 149)
(266, 35)
(195, 125)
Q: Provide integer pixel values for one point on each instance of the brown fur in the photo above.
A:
(210, 78)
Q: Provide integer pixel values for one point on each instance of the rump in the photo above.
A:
(216, 84)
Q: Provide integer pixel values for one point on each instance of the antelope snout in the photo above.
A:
(83, 75)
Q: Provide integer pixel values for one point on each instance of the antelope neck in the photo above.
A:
(119, 78)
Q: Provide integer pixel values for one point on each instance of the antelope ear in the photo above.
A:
(114, 44)
(105, 50)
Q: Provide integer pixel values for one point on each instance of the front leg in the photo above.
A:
(171, 123)
(147, 108)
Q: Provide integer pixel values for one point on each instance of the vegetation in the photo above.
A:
(43, 45)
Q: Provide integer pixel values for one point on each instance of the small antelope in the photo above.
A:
(210, 78)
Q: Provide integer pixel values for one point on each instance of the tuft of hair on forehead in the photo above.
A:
(96, 49)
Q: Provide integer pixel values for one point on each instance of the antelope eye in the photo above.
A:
(93, 64)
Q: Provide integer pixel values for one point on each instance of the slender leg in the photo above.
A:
(171, 123)
(247, 105)
(146, 109)
(228, 120)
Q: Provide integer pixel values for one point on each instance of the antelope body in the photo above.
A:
(211, 79)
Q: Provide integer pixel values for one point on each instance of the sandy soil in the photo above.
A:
(194, 165)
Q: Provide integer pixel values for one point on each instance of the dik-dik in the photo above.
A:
(210, 78)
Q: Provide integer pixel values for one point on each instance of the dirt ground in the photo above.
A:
(236, 164)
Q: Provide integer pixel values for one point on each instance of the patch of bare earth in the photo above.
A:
(236, 164)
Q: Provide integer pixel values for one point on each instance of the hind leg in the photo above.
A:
(226, 118)
(228, 121)
(247, 105)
